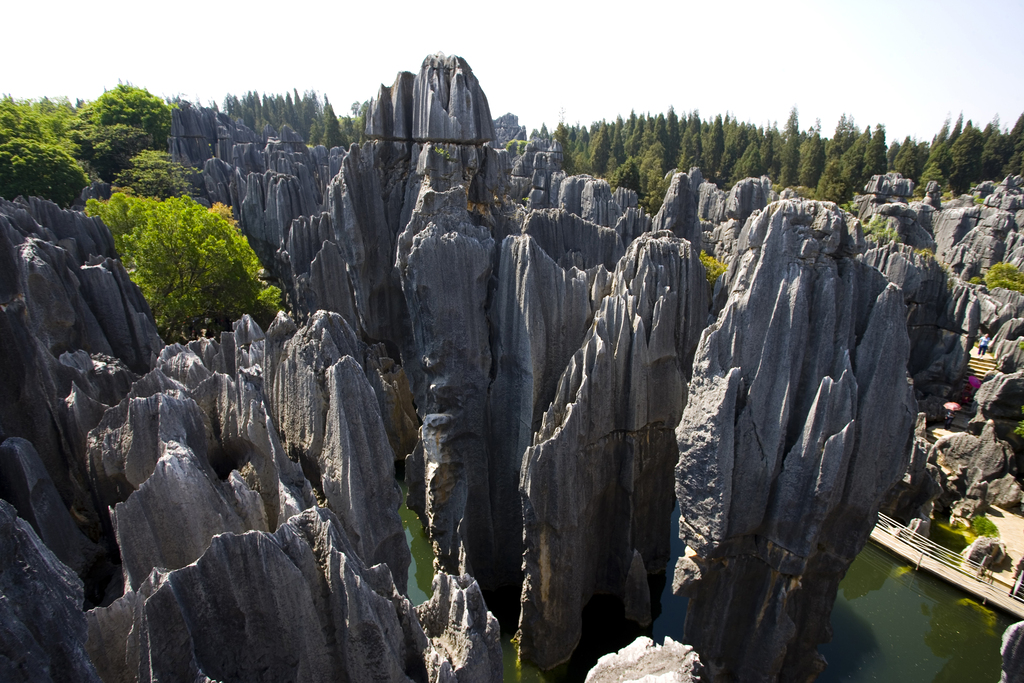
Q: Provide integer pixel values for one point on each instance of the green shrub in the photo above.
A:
(713, 266)
(983, 526)
(879, 231)
(1005, 275)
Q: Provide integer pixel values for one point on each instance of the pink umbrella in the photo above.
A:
(952, 405)
(974, 382)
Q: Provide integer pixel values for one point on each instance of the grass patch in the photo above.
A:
(983, 526)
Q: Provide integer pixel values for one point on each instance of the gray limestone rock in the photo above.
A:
(297, 605)
(590, 199)
(799, 419)
(999, 400)
(330, 422)
(25, 484)
(445, 263)
(506, 129)
(573, 241)
(747, 196)
(1012, 651)
(540, 313)
(890, 185)
(943, 321)
(170, 520)
(678, 212)
(933, 195)
(457, 622)
(42, 627)
(609, 407)
(644, 661)
(448, 104)
(969, 461)
(985, 550)
(951, 225)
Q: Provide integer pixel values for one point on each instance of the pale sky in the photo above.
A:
(906, 64)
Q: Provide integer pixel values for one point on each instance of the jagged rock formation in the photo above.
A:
(74, 331)
(41, 620)
(999, 400)
(537, 175)
(609, 408)
(457, 622)
(976, 471)
(943, 321)
(912, 499)
(442, 103)
(507, 129)
(799, 421)
(1013, 653)
(298, 604)
(643, 660)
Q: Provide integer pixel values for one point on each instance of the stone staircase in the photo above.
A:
(981, 366)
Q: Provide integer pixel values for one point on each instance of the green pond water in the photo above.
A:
(890, 622)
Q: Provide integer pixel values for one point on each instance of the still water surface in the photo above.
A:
(890, 623)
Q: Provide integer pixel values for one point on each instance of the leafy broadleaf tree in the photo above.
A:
(40, 169)
(154, 174)
(109, 149)
(192, 264)
(136, 107)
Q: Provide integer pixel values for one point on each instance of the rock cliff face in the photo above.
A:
(799, 421)
(609, 410)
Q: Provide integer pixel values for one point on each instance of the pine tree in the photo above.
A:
(812, 159)
(600, 150)
(965, 155)
(331, 130)
(905, 162)
(875, 161)
(789, 170)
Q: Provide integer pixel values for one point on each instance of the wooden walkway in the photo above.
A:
(924, 554)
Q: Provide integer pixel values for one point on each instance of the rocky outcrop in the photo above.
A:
(298, 604)
(799, 420)
(540, 314)
(74, 330)
(983, 246)
(678, 213)
(977, 471)
(507, 129)
(943, 321)
(643, 660)
(537, 175)
(1012, 651)
(999, 400)
(457, 622)
(608, 408)
(442, 103)
(41, 619)
(445, 262)
(1008, 195)
(573, 241)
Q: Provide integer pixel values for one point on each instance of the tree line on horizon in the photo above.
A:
(637, 152)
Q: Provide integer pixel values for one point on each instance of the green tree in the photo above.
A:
(153, 174)
(965, 158)
(194, 267)
(749, 164)
(600, 151)
(39, 169)
(790, 168)
(812, 159)
(875, 160)
(332, 129)
(906, 159)
(108, 150)
(627, 175)
(134, 107)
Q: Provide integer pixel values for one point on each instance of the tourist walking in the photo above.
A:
(983, 345)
